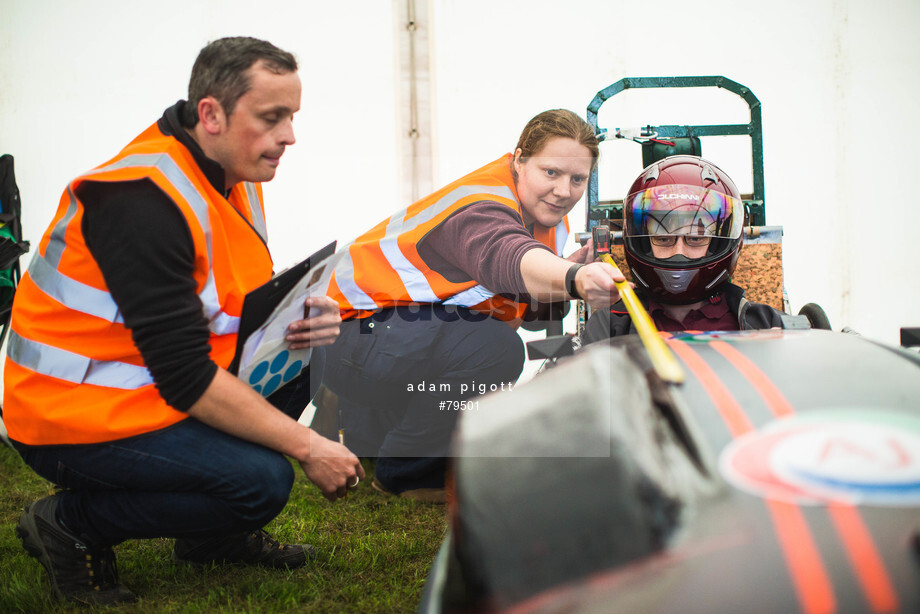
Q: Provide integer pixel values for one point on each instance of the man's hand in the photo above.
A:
(332, 467)
(321, 327)
(235, 408)
(595, 282)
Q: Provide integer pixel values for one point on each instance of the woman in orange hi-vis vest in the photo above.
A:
(431, 298)
(116, 385)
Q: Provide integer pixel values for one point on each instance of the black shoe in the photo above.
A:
(424, 495)
(77, 571)
(255, 548)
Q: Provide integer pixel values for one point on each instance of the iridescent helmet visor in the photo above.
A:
(670, 213)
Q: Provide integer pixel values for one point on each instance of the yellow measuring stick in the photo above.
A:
(663, 359)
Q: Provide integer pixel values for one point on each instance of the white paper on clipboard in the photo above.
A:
(266, 361)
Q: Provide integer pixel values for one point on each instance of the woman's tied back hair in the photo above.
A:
(553, 123)
(222, 71)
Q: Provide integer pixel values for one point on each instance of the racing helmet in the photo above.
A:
(683, 229)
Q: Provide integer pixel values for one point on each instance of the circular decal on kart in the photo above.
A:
(869, 457)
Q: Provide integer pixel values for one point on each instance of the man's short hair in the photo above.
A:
(221, 71)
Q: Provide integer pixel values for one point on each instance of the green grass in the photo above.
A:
(373, 555)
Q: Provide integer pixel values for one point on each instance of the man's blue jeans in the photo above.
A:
(187, 480)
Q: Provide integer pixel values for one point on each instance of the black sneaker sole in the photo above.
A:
(269, 562)
(286, 565)
(28, 533)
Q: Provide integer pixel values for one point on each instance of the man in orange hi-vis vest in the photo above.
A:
(431, 298)
(116, 386)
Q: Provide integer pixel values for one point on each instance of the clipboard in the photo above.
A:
(260, 303)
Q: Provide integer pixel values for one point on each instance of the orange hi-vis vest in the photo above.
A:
(382, 268)
(73, 374)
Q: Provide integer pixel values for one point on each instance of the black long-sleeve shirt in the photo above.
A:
(143, 246)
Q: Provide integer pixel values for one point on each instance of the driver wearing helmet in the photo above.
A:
(682, 234)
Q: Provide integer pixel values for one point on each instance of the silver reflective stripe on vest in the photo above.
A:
(416, 285)
(468, 298)
(345, 278)
(71, 367)
(86, 299)
(255, 210)
(562, 236)
(56, 243)
(68, 291)
(219, 322)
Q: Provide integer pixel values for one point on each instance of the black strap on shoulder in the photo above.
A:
(9, 196)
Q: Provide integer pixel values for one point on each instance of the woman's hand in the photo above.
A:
(544, 275)
(595, 283)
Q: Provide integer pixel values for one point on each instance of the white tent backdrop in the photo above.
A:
(837, 80)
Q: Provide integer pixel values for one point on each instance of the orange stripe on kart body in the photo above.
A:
(758, 379)
(803, 560)
(806, 568)
(854, 536)
(733, 414)
(864, 558)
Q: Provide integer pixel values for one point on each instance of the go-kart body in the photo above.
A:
(782, 476)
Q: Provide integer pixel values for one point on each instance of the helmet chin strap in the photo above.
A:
(676, 282)
(676, 259)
